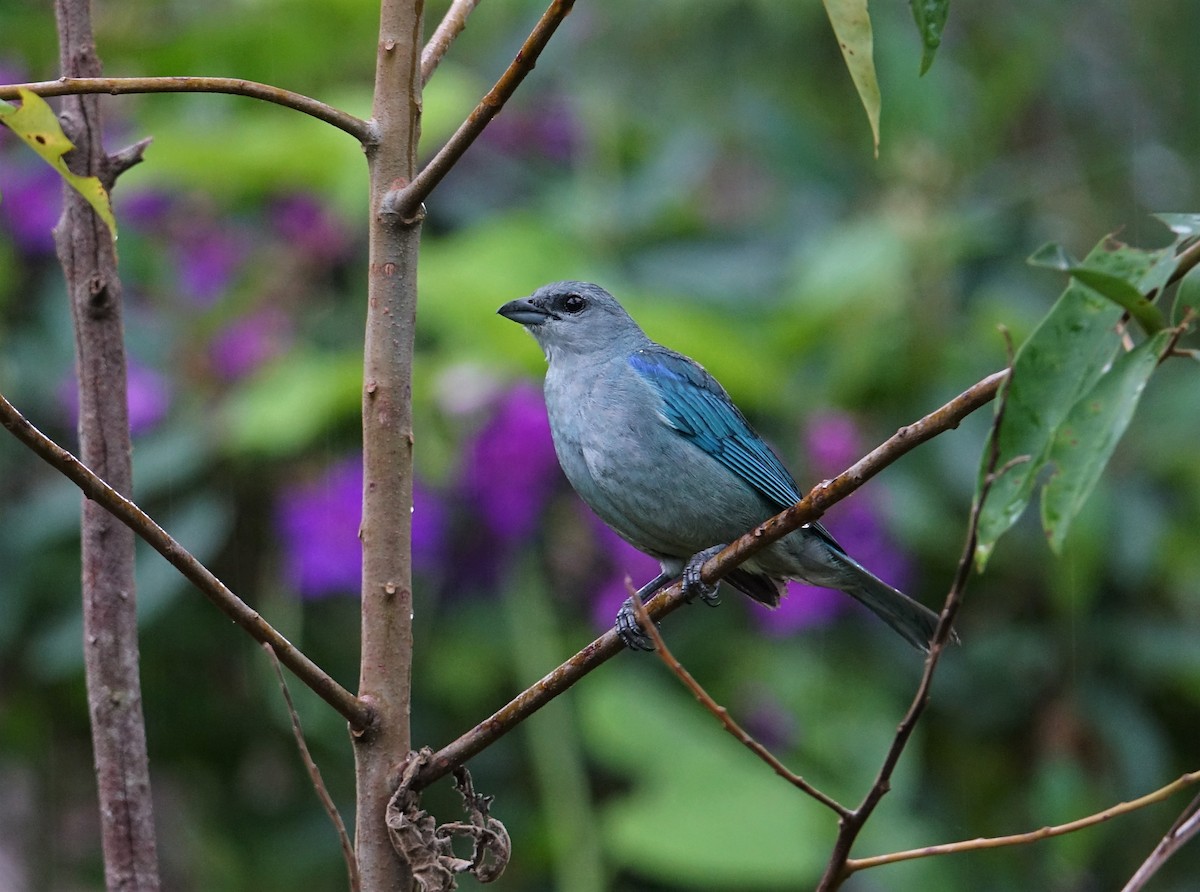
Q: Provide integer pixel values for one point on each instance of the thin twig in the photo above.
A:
(314, 775)
(1183, 829)
(1185, 261)
(721, 713)
(995, 842)
(356, 127)
(452, 24)
(359, 714)
(851, 824)
(405, 203)
(815, 503)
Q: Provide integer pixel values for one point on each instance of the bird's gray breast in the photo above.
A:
(653, 486)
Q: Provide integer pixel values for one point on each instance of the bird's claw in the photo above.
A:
(629, 630)
(694, 586)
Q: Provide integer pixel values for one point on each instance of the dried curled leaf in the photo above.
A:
(428, 848)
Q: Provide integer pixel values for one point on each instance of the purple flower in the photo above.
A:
(803, 607)
(511, 468)
(550, 132)
(833, 443)
(147, 210)
(207, 259)
(428, 530)
(249, 342)
(768, 720)
(318, 523)
(313, 232)
(624, 561)
(32, 203)
(508, 476)
(147, 393)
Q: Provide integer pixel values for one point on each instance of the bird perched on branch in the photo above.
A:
(657, 448)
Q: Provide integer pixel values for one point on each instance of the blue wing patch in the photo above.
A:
(696, 406)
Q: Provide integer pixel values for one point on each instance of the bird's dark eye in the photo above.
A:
(574, 303)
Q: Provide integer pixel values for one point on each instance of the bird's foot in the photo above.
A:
(630, 631)
(694, 586)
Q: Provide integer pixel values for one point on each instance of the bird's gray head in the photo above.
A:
(574, 319)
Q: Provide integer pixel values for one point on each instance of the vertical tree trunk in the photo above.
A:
(85, 249)
(387, 445)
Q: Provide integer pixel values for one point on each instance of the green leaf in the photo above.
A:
(1187, 296)
(1124, 294)
(1052, 256)
(1085, 441)
(852, 26)
(722, 818)
(930, 16)
(1054, 368)
(1124, 275)
(1183, 225)
(291, 402)
(35, 123)
(1057, 376)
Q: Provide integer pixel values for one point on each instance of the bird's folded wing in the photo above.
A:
(698, 408)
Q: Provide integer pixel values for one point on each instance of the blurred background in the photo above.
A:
(711, 165)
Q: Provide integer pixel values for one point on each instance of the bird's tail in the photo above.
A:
(914, 621)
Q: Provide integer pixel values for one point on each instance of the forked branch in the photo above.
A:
(355, 711)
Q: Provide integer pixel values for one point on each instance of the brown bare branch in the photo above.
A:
(385, 667)
(851, 824)
(110, 635)
(104, 496)
(406, 202)
(721, 713)
(1016, 839)
(1183, 829)
(74, 86)
(451, 25)
(811, 507)
(314, 775)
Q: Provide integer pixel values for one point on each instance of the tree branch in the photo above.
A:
(851, 824)
(110, 641)
(385, 671)
(452, 24)
(811, 507)
(74, 86)
(406, 202)
(994, 842)
(359, 714)
(721, 713)
(314, 775)
(1185, 827)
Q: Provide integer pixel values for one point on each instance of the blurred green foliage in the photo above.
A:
(707, 163)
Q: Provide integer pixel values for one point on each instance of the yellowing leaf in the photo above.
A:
(35, 123)
(852, 27)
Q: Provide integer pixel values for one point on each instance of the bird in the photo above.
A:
(659, 451)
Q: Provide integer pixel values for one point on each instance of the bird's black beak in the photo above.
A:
(525, 311)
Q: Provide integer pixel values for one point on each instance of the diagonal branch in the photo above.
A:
(405, 202)
(452, 24)
(851, 824)
(73, 86)
(1016, 839)
(722, 714)
(1186, 826)
(359, 714)
(314, 775)
(811, 507)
